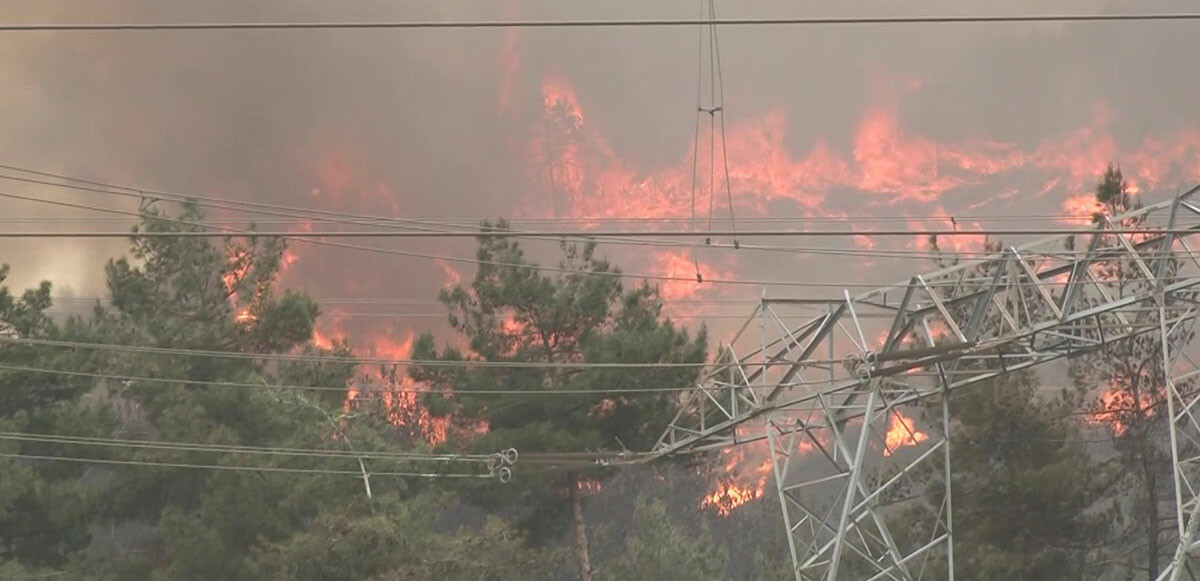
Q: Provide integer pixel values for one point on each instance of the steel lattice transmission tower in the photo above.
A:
(824, 393)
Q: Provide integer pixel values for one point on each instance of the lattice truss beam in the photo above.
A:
(826, 395)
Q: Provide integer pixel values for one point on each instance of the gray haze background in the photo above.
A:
(411, 123)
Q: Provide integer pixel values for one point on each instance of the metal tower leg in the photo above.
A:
(1184, 431)
(836, 497)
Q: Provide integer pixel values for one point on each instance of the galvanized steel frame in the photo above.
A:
(820, 394)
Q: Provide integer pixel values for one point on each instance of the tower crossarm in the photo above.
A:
(1017, 307)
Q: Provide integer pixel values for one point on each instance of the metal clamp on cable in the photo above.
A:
(860, 367)
(498, 464)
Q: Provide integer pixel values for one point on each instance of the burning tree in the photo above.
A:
(546, 325)
(1124, 388)
(1028, 499)
(208, 514)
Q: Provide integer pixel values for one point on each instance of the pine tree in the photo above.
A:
(656, 547)
(1123, 386)
(1025, 489)
(513, 312)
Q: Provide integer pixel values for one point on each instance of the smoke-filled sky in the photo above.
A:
(910, 120)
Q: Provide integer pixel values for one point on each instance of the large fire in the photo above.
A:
(583, 172)
(681, 264)
(398, 393)
(1082, 209)
(902, 432)
(744, 479)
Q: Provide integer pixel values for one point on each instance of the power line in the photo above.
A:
(871, 253)
(474, 222)
(237, 449)
(602, 233)
(365, 315)
(423, 255)
(461, 260)
(372, 389)
(336, 359)
(595, 23)
(391, 251)
(424, 301)
(432, 228)
(143, 194)
(355, 473)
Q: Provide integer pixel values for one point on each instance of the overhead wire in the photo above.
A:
(240, 449)
(474, 222)
(696, 141)
(241, 468)
(340, 359)
(874, 253)
(592, 23)
(425, 226)
(435, 302)
(369, 390)
(365, 315)
(456, 259)
(422, 228)
(716, 51)
(585, 234)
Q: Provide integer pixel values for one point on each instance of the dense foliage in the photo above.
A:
(147, 512)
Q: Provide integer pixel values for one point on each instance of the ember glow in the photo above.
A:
(902, 432)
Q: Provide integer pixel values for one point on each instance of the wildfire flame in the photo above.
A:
(245, 317)
(399, 394)
(589, 486)
(453, 277)
(743, 481)
(885, 159)
(902, 432)
(1081, 209)
(1116, 402)
(680, 264)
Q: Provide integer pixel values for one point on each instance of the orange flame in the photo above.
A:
(453, 277)
(589, 487)
(340, 176)
(402, 398)
(679, 264)
(1114, 403)
(237, 270)
(743, 481)
(593, 181)
(287, 260)
(245, 317)
(1081, 208)
(902, 432)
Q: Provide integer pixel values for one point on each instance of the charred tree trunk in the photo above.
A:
(580, 527)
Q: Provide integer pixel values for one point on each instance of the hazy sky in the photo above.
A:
(914, 120)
